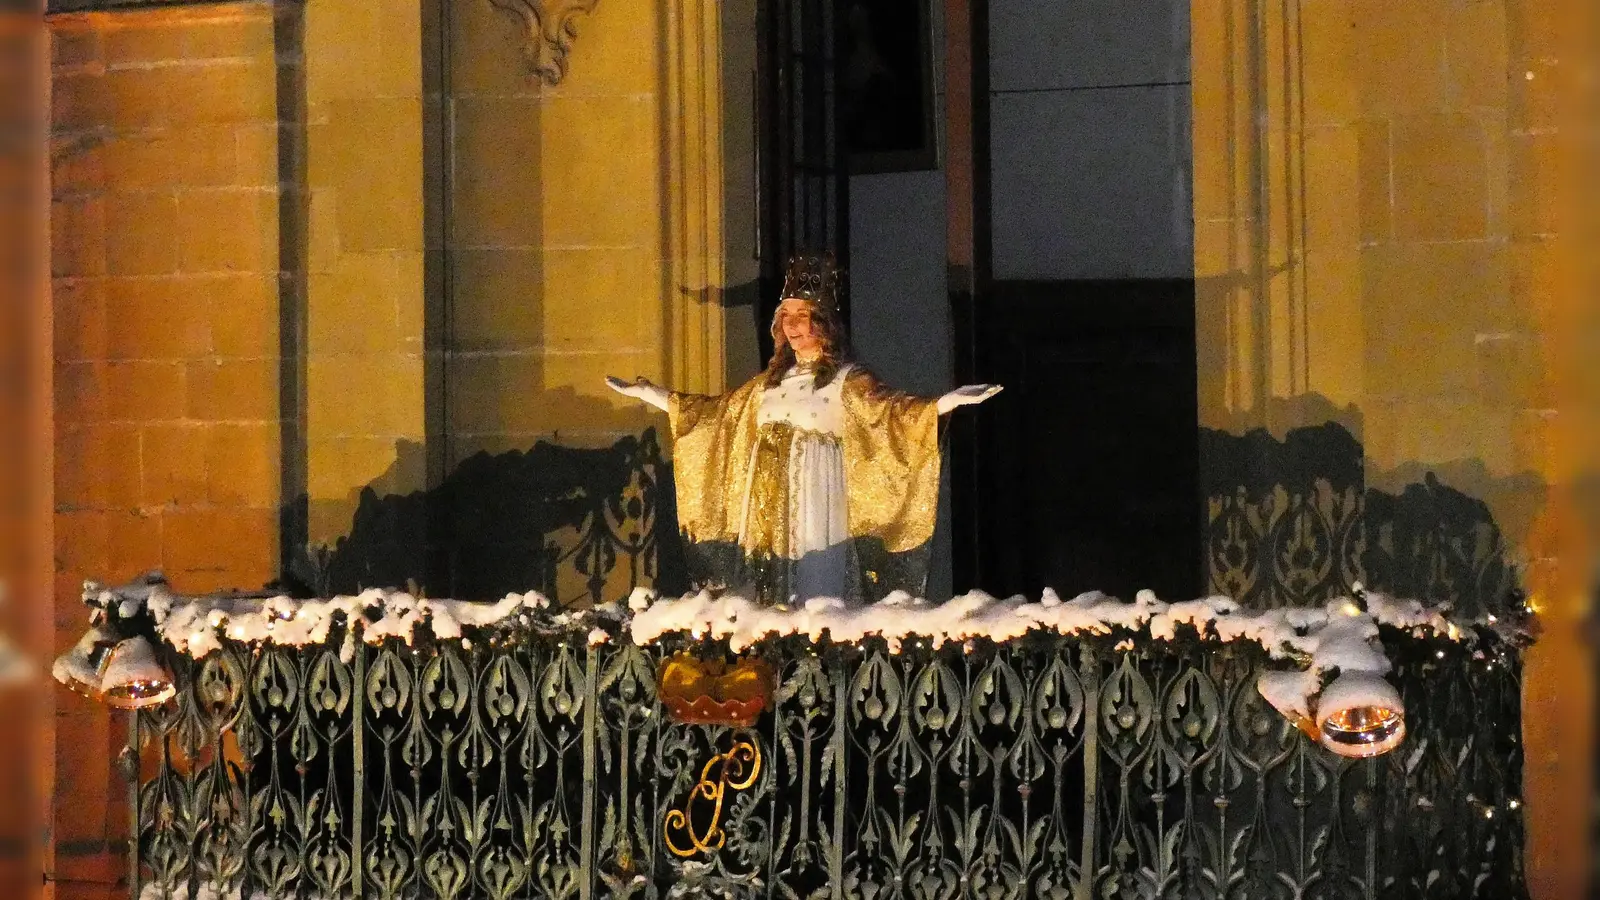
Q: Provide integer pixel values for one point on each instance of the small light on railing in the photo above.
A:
(1514, 804)
(1440, 654)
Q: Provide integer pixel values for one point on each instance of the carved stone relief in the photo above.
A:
(550, 27)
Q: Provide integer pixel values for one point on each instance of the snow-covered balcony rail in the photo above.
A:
(386, 747)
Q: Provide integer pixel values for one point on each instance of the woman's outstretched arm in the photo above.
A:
(640, 389)
(967, 395)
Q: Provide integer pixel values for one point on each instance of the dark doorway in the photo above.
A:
(802, 182)
(1087, 469)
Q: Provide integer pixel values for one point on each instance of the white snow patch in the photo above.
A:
(1337, 636)
(1291, 691)
(198, 625)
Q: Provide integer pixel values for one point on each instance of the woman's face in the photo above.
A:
(794, 320)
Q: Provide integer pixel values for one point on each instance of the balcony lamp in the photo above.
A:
(113, 666)
(82, 667)
(134, 678)
(1358, 714)
(1361, 715)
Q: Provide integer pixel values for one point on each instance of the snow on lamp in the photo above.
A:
(1293, 694)
(113, 662)
(1358, 713)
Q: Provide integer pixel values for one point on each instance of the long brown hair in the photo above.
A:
(830, 335)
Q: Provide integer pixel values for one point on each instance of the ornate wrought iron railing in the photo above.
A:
(1047, 768)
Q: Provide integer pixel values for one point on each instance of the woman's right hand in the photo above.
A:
(639, 389)
(625, 388)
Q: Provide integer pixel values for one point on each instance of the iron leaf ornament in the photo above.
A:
(550, 27)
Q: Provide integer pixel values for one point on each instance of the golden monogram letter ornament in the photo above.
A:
(737, 769)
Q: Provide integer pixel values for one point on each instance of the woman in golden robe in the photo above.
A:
(813, 479)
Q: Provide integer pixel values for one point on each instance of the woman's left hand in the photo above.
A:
(967, 395)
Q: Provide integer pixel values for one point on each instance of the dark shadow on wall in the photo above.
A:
(549, 518)
(748, 344)
(1298, 521)
(1282, 518)
(517, 521)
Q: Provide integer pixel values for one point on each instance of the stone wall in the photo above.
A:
(1379, 299)
(497, 221)
(331, 279)
(359, 120)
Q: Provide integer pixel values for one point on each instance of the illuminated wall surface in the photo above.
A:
(328, 274)
(1381, 325)
(165, 264)
(309, 259)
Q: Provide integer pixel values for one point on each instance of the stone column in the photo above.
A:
(165, 265)
(363, 210)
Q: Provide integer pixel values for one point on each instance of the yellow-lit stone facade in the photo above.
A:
(165, 267)
(1379, 251)
(307, 256)
(361, 262)
(556, 229)
(487, 241)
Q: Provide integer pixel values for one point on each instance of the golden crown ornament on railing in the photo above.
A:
(710, 692)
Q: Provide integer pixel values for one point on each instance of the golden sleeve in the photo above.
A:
(711, 444)
(891, 458)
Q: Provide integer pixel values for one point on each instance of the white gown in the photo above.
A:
(771, 480)
(818, 526)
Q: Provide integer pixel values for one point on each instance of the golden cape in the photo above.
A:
(890, 446)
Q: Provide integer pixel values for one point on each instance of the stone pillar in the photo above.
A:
(694, 335)
(165, 299)
(363, 258)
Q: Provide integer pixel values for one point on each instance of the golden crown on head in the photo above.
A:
(814, 277)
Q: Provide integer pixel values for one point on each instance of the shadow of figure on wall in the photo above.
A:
(1297, 522)
(580, 525)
